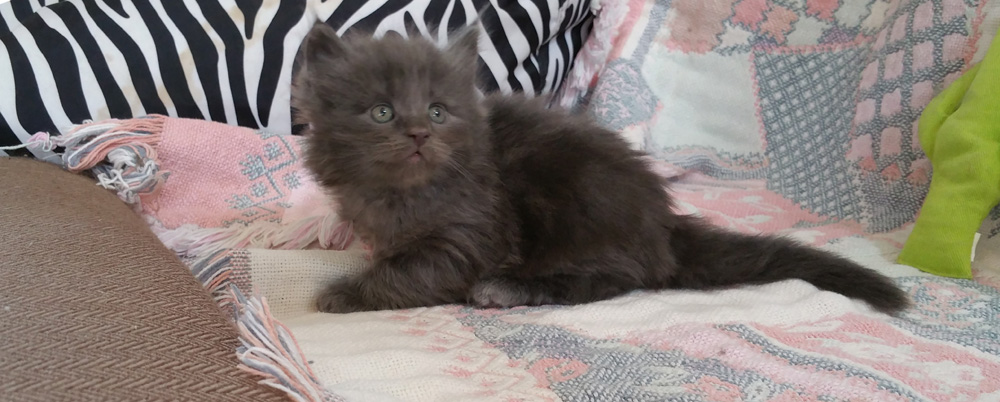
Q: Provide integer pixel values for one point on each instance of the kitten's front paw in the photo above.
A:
(340, 298)
(499, 292)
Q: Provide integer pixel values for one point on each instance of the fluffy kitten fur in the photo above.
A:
(506, 202)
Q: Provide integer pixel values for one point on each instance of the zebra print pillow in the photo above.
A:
(62, 62)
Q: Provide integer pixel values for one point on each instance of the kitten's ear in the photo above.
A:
(322, 43)
(464, 43)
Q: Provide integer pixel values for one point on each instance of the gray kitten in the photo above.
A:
(502, 202)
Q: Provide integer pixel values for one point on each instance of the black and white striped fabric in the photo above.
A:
(63, 62)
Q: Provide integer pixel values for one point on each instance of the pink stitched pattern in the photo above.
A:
(464, 356)
(914, 362)
(224, 175)
(749, 207)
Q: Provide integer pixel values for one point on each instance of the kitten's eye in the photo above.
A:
(382, 113)
(436, 113)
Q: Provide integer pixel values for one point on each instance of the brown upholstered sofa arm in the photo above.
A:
(94, 307)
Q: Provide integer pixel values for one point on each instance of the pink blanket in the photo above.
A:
(229, 187)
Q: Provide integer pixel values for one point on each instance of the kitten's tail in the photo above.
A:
(710, 258)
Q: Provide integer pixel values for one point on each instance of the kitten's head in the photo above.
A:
(390, 111)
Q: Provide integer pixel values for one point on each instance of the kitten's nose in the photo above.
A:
(419, 136)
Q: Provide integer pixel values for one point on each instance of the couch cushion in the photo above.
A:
(94, 307)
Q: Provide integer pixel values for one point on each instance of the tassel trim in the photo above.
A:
(120, 153)
(267, 348)
(326, 231)
(270, 351)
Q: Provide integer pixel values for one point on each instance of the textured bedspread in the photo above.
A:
(780, 342)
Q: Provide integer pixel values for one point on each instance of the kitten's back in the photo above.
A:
(580, 193)
(597, 222)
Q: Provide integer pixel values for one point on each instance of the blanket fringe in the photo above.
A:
(127, 145)
(215, 274)
(328, 231)
(269, 350)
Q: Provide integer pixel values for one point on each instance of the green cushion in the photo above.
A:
(960, 133)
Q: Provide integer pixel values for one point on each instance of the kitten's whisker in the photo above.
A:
(459, 168)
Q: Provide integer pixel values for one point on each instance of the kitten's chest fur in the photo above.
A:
(389, 217)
